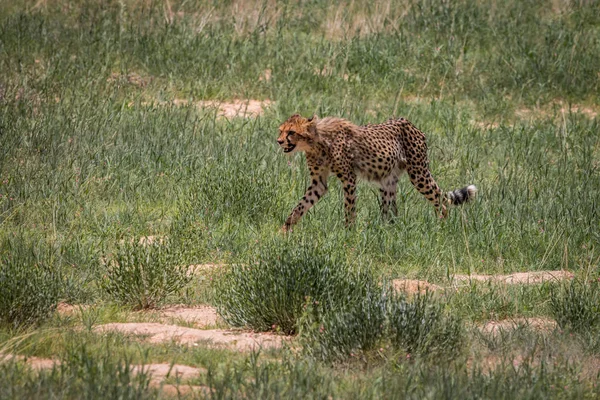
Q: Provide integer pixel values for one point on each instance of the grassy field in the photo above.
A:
(106, 137)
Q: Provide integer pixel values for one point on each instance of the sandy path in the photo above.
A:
(538, 324)
(159, 333)
(527, 278)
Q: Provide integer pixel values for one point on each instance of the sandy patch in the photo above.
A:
(66, 309)
(557, 109)
(159, 333)
(35, 363)
(235, 108)
(413, 286)
(576, 109)
(538, 324)
(158, 373)
(527, 278)
(200, 316)
(181, 390)
(198, 268)
(164, 371)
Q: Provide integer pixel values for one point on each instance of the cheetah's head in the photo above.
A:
(297, 133)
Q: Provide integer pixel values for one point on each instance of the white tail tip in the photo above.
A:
(472, 190)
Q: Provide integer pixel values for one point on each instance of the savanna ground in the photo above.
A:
(139, 170)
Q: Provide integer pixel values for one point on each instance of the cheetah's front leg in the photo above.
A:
(315, 191)
(349, 185)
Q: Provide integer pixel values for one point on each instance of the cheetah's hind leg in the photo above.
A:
(387, 189)
(422, 180)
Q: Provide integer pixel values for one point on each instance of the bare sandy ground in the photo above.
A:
(538, 324)
(158, 373)
(244, 108)
(35, 363)
(413, 286)
(164, 371)
(200, 316)
(160, 333)
(527, 278)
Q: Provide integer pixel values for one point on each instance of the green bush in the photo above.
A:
(142, 275)
(29, 287)
(421, 326)
(273, 288)
(352, 326)
(576, 305)
(81, 374)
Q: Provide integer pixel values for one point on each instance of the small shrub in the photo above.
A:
(29, 288)
(349, 328)
(81, 374)
(421, 326)
(288, 377)
(576, 305)
(143, 274)
(273, 288)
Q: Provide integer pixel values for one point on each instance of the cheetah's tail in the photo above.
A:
(460, 196)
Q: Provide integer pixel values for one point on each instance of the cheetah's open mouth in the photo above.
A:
(287, 150)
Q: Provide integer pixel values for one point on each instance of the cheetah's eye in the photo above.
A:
(290, 133)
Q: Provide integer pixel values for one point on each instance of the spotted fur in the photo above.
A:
(379, 153)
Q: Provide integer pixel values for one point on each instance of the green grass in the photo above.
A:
(93, 153)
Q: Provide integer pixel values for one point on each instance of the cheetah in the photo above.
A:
(379, 153)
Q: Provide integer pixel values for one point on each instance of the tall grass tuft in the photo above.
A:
(422, 326)
(80, 374)
(576, 305)
(29, 286)
(274, 288)
(142, 275)
(349, 328)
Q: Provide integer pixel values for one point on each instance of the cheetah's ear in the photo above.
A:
(312, 125)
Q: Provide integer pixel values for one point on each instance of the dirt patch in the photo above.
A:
(587, 111)
(538, 324)
(158, 373)
(164, 371)
(237, 108)
(234, 108)
(35, 363)
(168, 389)
(197, 268)
(201, 316)
(68, 310)
(413, 286)
(159, 333)
(557, 109)
(526, 278)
